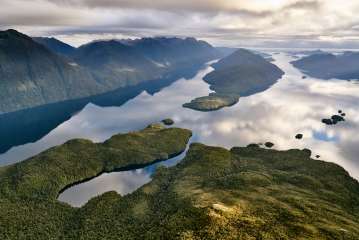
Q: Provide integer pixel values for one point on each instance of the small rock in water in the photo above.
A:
(299, 136)
(337, 118)
(269, 144)
(317, 156)
(334, 119)
(168, 121)
(327, 121)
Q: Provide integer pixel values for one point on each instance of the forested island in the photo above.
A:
(214, 193)
(240, 74)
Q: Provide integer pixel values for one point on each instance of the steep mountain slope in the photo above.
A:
(128, 62)
(31, 75)
(56, 45)
(327, 65)
(116, 64)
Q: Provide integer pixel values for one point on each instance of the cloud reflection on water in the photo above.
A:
(293, 105)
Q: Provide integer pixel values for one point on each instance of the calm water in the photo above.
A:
(293, 105)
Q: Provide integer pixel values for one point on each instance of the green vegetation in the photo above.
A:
(28, 190)
(40, 71)
(214, 193)
(212, 102)
(242, 73)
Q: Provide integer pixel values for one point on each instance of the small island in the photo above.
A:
(212, 102)
(299, 136)
(242, 73)
(334, 119)
(168, 121)
(269, 144)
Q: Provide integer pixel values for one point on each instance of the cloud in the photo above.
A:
(230, 22)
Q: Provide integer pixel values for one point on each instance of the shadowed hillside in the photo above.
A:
(44, 71)
(327, 65)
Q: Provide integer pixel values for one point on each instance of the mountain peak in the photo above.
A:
(12, 33)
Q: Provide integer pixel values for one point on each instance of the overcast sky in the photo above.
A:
(247, 23)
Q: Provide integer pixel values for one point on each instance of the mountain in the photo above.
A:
(174, 51)
(327, 66)
(116, 64)
(226, 51)
(128, 62)
(56, 45)
(243, 73)
(31, 75)
(34, 73)
(308, 52)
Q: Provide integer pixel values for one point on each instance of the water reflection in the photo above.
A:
(30, 125)
(293, 105)
(124, 182)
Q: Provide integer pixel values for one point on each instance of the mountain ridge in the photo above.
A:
(33, 74)
(56, 45)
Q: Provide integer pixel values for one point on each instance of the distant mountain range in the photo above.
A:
(38, 71)
(327, 66)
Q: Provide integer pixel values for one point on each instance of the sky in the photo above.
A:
(232, 23)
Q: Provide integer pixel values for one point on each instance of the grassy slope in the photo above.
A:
(214, 193)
